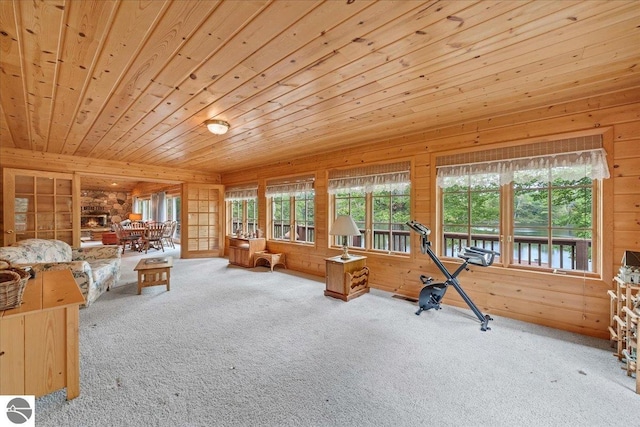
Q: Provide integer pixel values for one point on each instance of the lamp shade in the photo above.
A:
(344, 226)
(135, 216)
(217, 127)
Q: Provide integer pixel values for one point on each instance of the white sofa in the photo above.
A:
(95, 269)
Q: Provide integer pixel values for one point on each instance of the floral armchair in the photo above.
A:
(95, 269)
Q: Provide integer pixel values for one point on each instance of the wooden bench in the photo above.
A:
(272, 259)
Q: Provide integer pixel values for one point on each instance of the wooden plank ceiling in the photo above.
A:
(135, 80)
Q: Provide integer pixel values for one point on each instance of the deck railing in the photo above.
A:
(571, 253)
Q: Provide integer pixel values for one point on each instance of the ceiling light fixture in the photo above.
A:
(217, 127)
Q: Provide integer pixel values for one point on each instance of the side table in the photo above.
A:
(154, 272)
(335, 280)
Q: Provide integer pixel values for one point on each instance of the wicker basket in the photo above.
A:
(12, 283)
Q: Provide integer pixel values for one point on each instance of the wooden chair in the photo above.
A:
(124, 237)
(169, 231)
(153, 236)
(356, 281)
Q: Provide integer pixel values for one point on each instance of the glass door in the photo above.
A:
(202, 233)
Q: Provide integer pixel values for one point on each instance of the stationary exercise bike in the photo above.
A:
(432, 293)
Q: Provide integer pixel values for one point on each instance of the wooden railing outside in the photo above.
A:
(574, 253)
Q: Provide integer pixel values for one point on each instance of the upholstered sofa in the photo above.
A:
(95, 269)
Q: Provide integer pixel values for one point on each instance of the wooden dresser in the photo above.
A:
(39, 348)
(241, 250)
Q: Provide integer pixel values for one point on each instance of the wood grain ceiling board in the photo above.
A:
(134, 80)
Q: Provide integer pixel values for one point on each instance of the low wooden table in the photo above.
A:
(154, 272)
(272, 259)
(39, 346)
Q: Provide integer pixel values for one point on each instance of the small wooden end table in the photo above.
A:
(154, 272)
(335, 280)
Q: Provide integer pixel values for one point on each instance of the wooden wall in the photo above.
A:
(578, 304)
(572, 303)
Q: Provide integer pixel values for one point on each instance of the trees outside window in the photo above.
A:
(292, 204)
(242, 209)
(293, 217)
(378, 198)
(471, 213)
(242, 216)
(538, 212)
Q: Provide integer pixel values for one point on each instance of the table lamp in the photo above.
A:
(344, 226)
(135, 216)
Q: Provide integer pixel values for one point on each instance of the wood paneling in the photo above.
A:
(574, 303)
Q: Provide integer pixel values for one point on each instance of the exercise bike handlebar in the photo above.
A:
(473, 255)
(478, 256)
(419, 228)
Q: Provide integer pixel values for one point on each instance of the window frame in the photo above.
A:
(367, 239)
(602, 194)
(288, 192)
(244, 219)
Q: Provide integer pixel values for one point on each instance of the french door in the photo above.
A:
(202, 233)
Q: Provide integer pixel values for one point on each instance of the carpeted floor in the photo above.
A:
(229, 346)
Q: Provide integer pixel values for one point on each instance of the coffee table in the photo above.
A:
(154, 272)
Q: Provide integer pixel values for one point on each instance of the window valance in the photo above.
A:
(390, 177)
(241, 193)
(289, 187)
(573, 159)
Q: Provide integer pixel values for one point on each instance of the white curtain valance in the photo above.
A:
(370, 183)
(390, 176)
(241, 193)
(289, 188)
(571, 166)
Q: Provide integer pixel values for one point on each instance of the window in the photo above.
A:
(242, 209)
(174, 212)
(292, 209)
(535, 203)
(144, 207)
(378, 198)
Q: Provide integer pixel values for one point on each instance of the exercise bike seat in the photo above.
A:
(478, 256)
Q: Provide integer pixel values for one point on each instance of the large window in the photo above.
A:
(292, 203)
(539, 211)
(378, 198)
(242, 210)
(173, 213)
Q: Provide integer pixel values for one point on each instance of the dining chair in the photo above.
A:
(125, 237)
(153, 236)
(169, 231)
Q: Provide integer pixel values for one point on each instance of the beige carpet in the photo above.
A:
(229, 346)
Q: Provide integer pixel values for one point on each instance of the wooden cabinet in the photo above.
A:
(40, 205)
(241, 250)
(336, 285)
(39, 347)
